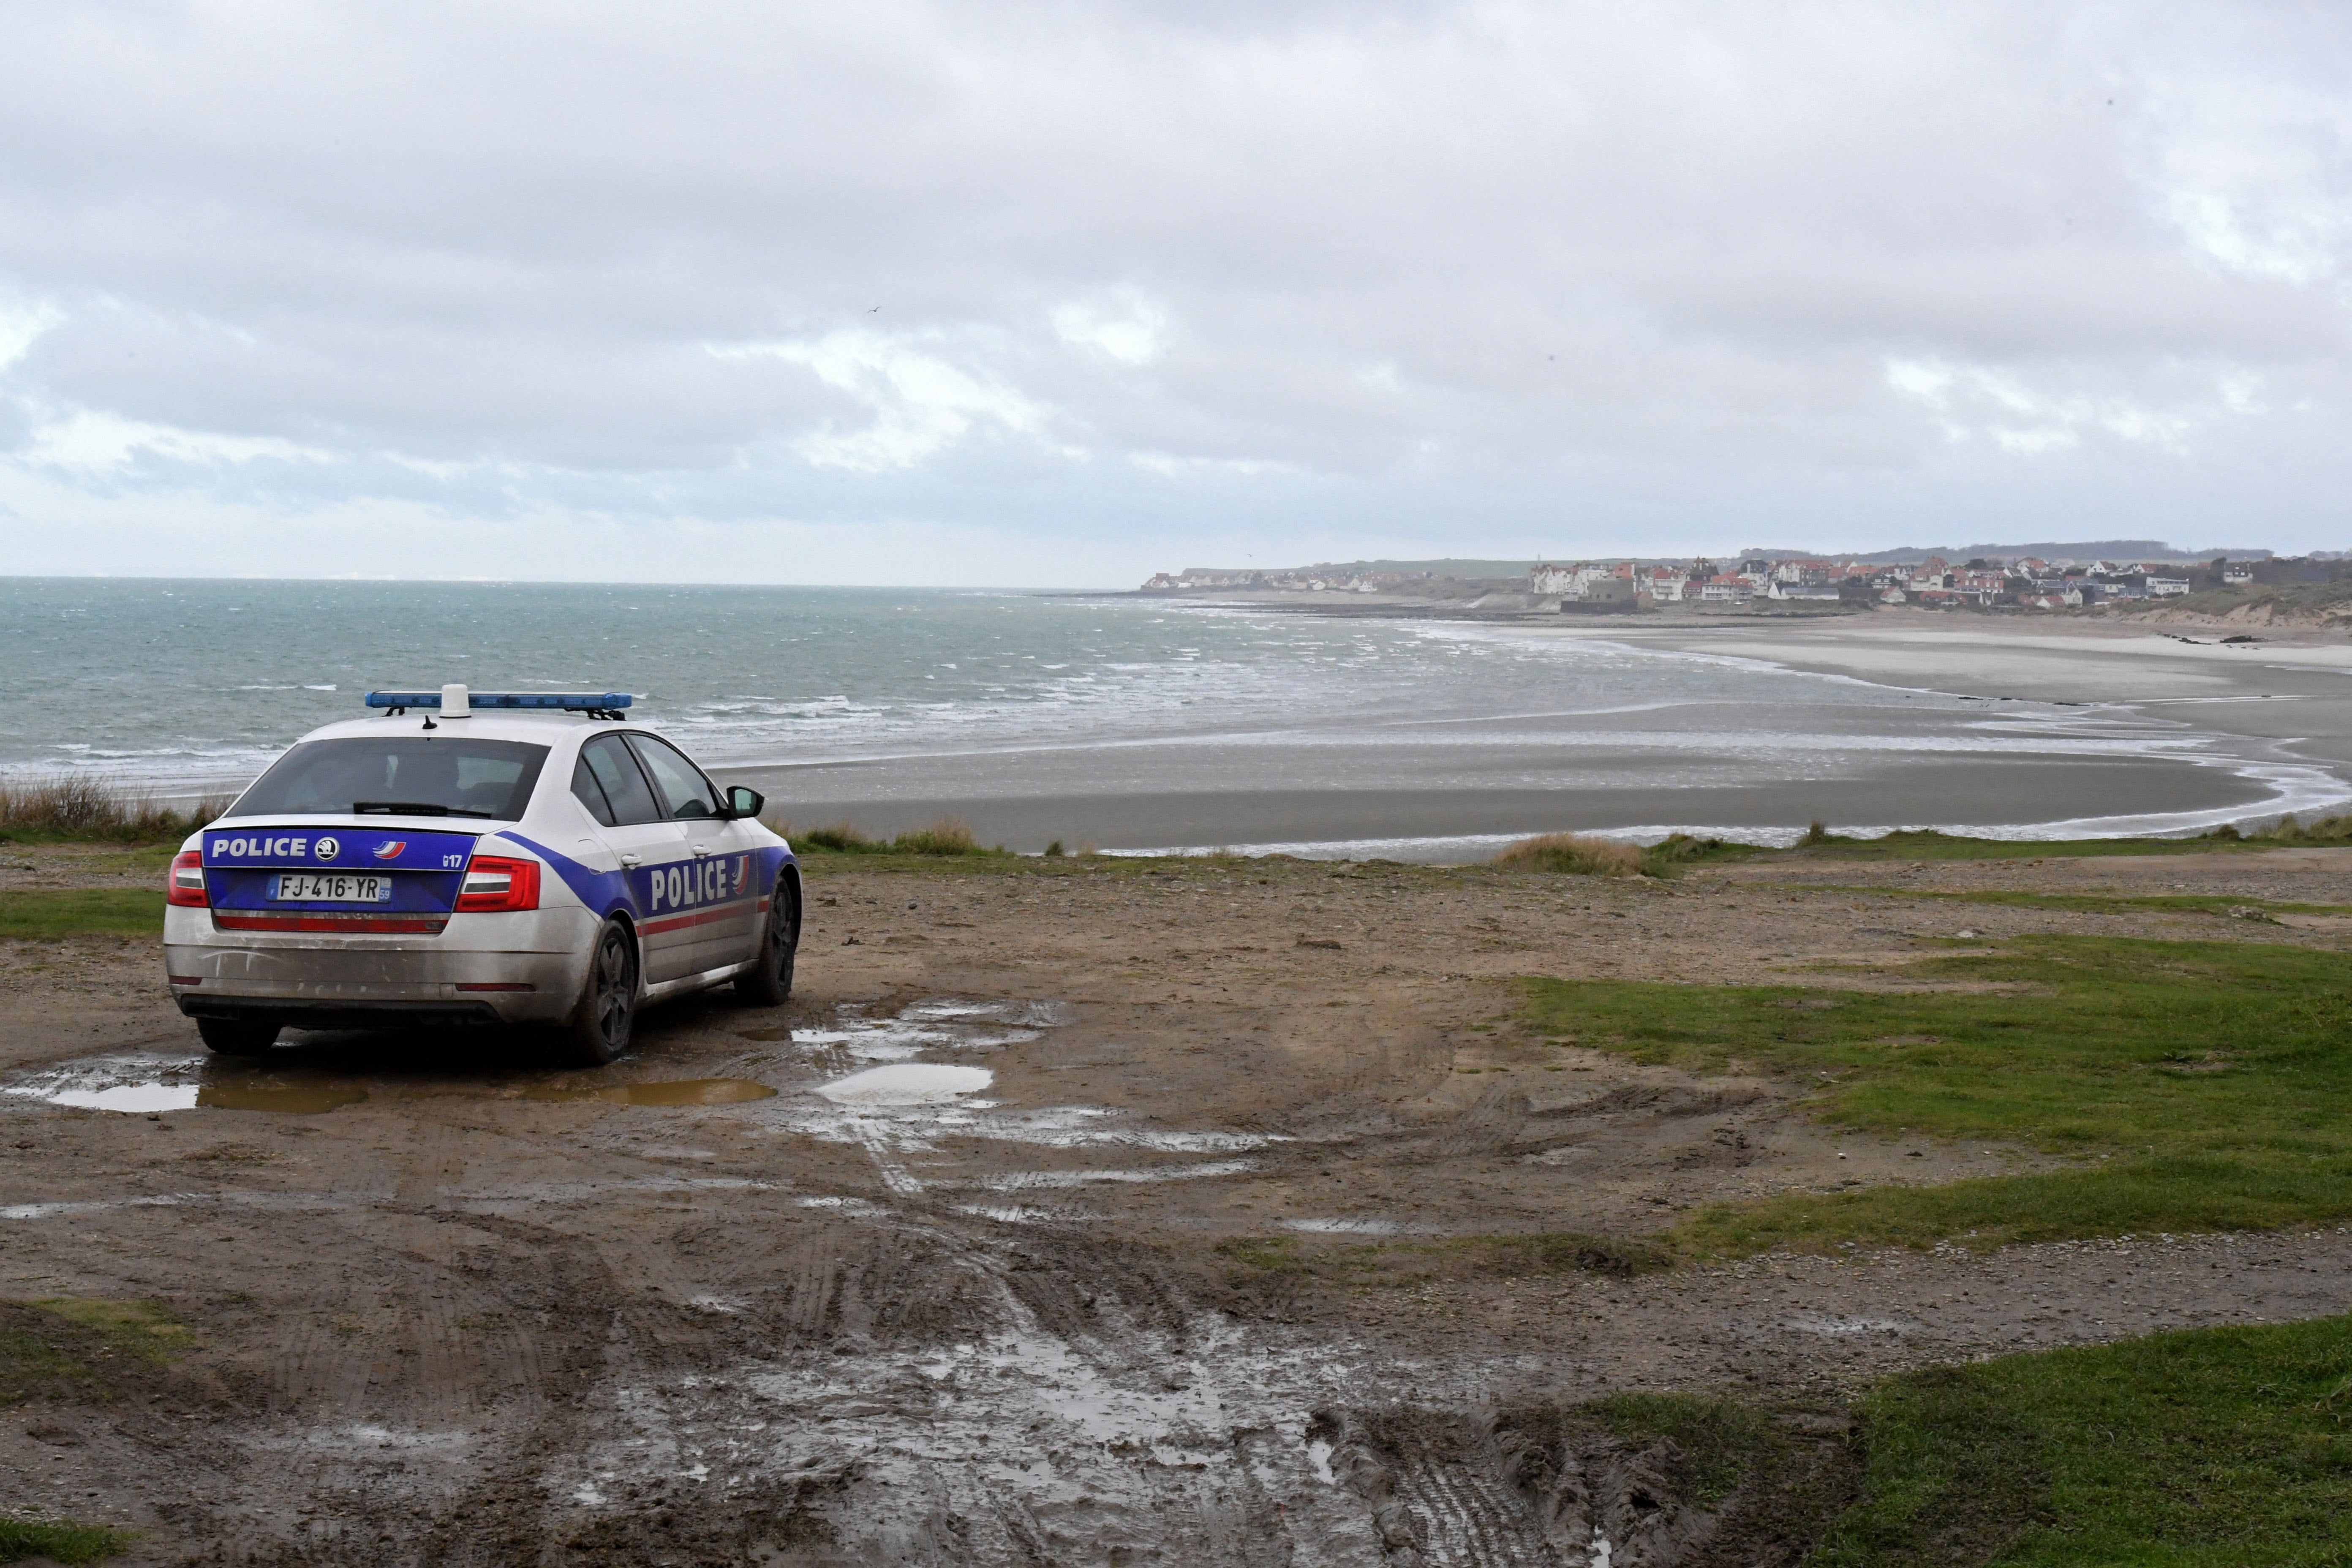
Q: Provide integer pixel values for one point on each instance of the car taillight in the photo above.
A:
(495, 884)
(185, 885)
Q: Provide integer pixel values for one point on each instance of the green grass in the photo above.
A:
(1719, 1437)
(2185, 1086)
(82, 808)
(78, 1348)
(45, 912)
(947, 837)
(1926, 843)
(2214, 1448)
(2193, 903)
(140, 1329)
(60, 1542)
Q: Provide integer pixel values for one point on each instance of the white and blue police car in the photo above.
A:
(511, 858)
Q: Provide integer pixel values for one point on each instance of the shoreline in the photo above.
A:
(2273, 720)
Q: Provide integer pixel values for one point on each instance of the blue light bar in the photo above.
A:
(569, 701)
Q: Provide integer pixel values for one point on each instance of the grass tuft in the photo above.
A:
(1577, 855)
(70, 807)
(1572, 854)
(948, 837)
(57, 1542)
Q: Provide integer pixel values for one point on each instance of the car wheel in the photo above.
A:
(600, 1025)
(235, 1037)
(769, 982)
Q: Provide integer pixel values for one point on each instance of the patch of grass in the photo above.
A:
(1266, 1254)
(2326, 830)
(1577, 855)
(2192, 1086)
(1926, 843)
(1718, 1437)
(2210, 1448)
(59, 1542)
(1547, 1252)
(2198, 903)
(76, 1347)
(947, 837)
(1774, 1479)
(141, 1329)
(79, 807)
(1573, 855)
(1671, 854)
(47, 912)
(30, 1364)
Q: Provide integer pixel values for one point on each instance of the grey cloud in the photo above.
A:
(1463, 276)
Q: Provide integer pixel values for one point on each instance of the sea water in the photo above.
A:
(187, 688)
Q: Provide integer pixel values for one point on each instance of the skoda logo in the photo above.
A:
(327, 850)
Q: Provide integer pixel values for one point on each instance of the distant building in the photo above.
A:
(1725, 588)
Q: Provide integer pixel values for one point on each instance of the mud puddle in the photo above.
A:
(908, 1083)
(133, 1086)
(661, 1092)
(894, 1097)
(136, 1086)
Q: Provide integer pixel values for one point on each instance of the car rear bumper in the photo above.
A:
(304, 980)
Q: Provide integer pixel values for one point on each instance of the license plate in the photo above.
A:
(311, 887)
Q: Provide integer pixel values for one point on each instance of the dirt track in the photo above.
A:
(449, 1311)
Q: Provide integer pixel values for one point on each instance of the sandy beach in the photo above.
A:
(2084, 730)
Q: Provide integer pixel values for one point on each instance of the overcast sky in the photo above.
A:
(1065, 294)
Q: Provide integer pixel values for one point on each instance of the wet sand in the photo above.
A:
(2084, 730)
(1443, 826)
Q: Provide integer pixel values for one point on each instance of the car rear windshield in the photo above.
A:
(398, 775)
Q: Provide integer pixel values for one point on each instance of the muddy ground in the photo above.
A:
(454, 1302)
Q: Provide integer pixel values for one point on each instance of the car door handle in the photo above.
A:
(702, 849)
(631, 861)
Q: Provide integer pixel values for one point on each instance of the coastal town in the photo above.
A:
(1979, 581)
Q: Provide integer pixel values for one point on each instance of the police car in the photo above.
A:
(515, 858)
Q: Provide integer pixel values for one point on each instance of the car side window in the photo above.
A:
(684, 791)
(616, 772)
(589, 793)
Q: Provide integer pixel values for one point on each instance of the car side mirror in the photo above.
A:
(742, 801)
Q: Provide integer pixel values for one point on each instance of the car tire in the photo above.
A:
(601, 1023)
(235, 1036)
(769, 982)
